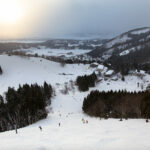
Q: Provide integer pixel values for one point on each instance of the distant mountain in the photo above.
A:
(51, 43)
(73, 44)
(123, 44)
(130, 50)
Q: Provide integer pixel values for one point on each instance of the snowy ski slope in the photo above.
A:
(98, 134)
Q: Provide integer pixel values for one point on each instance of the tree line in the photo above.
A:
(119, 104)
(24, 106)
(86, 81)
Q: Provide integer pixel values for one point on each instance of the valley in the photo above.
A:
(63, 129)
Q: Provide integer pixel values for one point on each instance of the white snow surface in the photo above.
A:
(126, 52)
(21, 70)
(98, 134)
(54, 52)
(119, 39)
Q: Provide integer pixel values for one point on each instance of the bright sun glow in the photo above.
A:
(10, 12)
(20, 18)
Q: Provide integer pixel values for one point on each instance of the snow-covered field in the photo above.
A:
(67, 109)
(54, 52)
(21, 70)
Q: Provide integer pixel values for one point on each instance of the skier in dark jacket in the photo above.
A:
(40, 128)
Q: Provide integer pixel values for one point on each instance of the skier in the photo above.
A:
(16, 129)
(106, 117)
(138, 84)
(86, 121)
(83, 120)
(40, 128)
(59, 124)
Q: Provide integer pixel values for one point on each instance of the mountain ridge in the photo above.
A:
(131, 39)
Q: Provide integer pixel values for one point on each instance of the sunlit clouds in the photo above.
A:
(20, 18)
(57, 18)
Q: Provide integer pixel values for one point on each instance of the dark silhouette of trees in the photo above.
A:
(120, 104)
(48, 91)
(86, 81)
(145, 106)
(24, 106)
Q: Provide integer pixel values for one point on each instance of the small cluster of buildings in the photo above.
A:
(102, 70)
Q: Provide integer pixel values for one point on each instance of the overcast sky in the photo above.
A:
(59, 18)
(95, 16)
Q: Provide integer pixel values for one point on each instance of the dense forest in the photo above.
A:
(139, 59)
(86, 81)
(120, 104)
(24, 106)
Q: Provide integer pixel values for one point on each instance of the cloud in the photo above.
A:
(55, 18)
(95, 16)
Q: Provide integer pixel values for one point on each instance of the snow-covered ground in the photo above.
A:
(54, 52)
(67, 109)
(119, 39)
(21, 70)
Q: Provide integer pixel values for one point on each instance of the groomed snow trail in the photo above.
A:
(73, 134)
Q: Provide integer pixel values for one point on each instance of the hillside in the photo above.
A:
(67, 110)
(123, 44)
(126, 52)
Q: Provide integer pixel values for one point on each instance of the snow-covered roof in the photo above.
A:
(109, 72)
(96, 72)
(101, 67)
(142, 71)
(95, 63)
